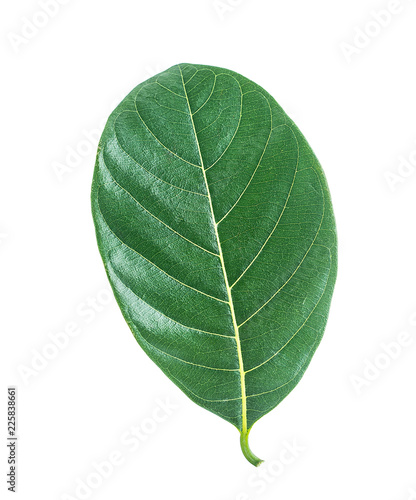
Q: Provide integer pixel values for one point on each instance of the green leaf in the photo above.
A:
(215, 225)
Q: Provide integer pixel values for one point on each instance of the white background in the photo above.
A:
(356, 437)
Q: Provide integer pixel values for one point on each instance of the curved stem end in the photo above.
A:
(245, 448)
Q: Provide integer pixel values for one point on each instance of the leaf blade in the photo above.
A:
(215, 223)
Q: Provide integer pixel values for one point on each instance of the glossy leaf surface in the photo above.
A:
(215, 225)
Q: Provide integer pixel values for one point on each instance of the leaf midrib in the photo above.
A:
(221, 257)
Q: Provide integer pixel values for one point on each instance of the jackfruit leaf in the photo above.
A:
(215, 225)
